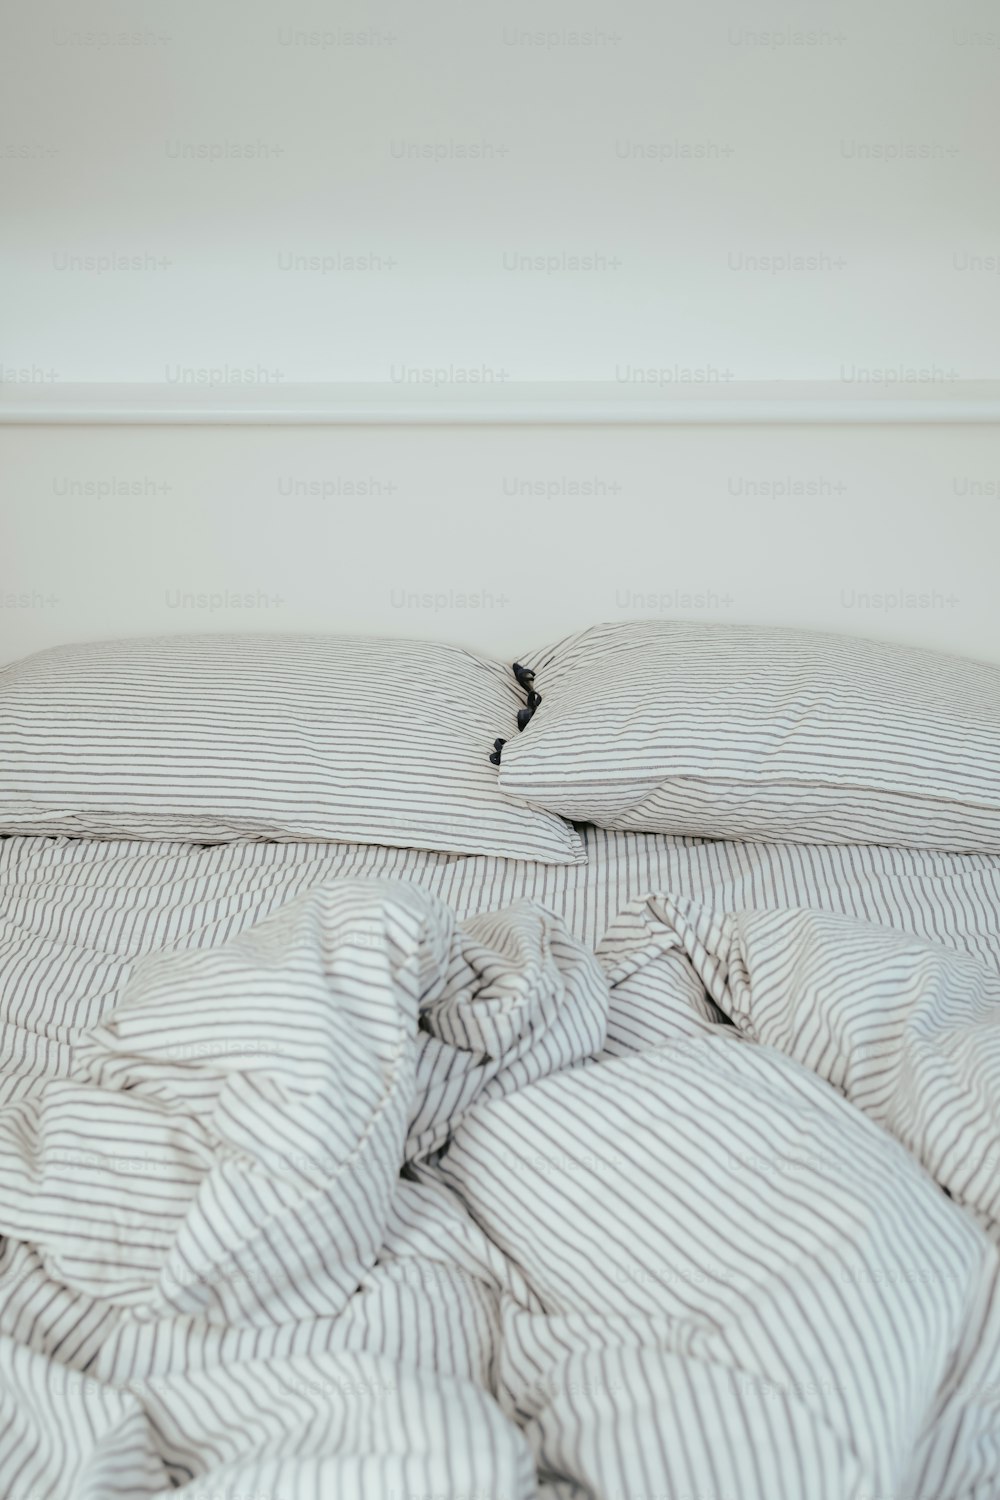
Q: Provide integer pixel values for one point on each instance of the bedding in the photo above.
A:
(738, 732)
(222, 737)
(75, 914)
(314, 1187)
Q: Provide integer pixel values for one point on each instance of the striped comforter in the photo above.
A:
(368, 1200)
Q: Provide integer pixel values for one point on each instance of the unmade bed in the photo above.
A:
(659, 1164)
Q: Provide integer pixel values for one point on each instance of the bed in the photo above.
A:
(657, 1164)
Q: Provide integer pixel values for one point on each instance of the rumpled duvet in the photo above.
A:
(370, 1202)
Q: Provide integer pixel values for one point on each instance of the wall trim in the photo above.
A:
(547, 403)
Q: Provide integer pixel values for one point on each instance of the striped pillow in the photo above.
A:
(220, 737)
(733, 732)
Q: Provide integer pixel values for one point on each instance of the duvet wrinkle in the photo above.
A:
(393, 1202)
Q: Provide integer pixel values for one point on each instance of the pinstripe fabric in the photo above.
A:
(732, 732)
(75, 914)
(219, 737)
(631, 1251)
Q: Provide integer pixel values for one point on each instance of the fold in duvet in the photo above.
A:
(372, 1202)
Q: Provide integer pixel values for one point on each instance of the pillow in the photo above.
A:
(731, 732)
(219, 737)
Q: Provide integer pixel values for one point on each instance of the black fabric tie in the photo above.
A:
(525, 679)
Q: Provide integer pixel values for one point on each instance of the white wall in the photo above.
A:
(107, 530)
(862, 135)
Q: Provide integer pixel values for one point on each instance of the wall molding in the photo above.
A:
(53, 402)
